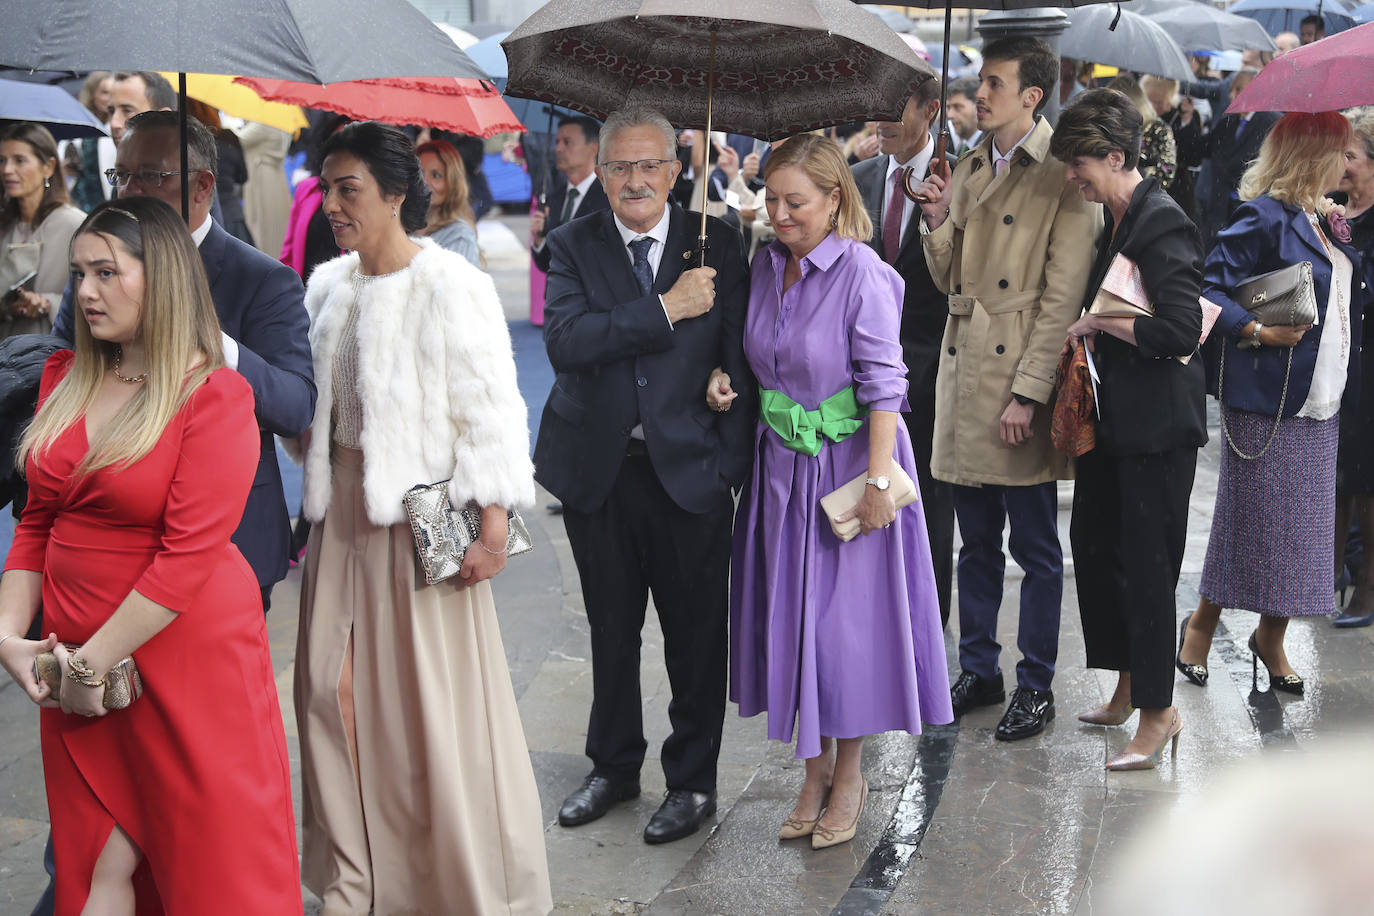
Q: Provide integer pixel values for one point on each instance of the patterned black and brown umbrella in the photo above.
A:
(767, 69)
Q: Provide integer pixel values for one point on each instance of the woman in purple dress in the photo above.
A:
(841, 639)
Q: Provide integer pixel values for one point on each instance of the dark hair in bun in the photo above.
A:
(390, 156)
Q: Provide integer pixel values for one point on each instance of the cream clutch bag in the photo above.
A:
(443, 534)
(123, 684)
(901, 488)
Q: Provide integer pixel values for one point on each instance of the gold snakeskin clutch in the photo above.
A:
(122, 685)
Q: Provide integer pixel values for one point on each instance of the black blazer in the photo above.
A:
(594, 202)
(619, 363)
(924, 308)
(1150, 402)
(261, 304)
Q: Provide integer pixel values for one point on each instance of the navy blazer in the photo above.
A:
(594, 202)
(1267, 235)
(261, 304)
(619, 363)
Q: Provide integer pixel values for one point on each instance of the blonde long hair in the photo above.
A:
(1297, 156)
(178, 326)
(824, 163)
(455, 204)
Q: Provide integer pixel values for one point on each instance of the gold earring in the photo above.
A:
(835, 219)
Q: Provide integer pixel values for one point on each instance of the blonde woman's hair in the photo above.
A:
(1297, 156)
(455, 204)
(824, 163)
(1127, 86)
(178, 326)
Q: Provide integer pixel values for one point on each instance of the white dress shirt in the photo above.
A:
(582, 187)
(997, 153)
(918, 164)
(659, 234)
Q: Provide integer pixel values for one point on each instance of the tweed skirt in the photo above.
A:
(1273, 529)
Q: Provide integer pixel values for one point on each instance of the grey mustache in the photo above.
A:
(641, 194)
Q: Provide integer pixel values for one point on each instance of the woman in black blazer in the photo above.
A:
(1130, 506)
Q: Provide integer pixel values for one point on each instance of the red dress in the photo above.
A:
(196, 771)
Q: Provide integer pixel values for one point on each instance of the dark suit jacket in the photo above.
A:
(261, 304)
(1150, 402)
(1228, 159)
(1264, 236)
(924, 307)
(619, 363)
(594, 202)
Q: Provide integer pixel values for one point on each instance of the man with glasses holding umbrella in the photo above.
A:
(642, 466)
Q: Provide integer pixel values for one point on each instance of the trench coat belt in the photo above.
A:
(997, 303)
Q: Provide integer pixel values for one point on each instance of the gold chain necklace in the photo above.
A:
(119, 355)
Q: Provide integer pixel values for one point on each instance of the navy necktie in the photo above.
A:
(644, 273)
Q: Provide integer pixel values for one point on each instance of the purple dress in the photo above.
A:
(843, 639)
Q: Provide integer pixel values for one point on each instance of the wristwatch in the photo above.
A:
(882, 483)
(1253, 342)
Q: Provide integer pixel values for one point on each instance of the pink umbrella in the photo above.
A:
(1327, 75)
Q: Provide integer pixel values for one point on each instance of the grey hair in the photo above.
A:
(1362, 125)
(637, 116)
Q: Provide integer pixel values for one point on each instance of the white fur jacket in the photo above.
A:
(436, 380)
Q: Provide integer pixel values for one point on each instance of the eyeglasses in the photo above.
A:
(649, 168)
(148, 178)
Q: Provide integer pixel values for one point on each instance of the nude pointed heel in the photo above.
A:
(824, 837)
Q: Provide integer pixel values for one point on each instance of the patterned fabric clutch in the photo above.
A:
(443, 534)
(122, 685)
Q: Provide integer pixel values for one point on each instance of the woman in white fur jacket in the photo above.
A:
(419, 796)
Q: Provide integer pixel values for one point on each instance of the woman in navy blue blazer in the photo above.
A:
(1281, 389)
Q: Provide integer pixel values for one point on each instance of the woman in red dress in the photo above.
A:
(139, 462)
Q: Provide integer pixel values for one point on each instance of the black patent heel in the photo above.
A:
(1287, 683)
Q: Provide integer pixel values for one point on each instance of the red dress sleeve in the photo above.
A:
(30, 545)
(218, 457)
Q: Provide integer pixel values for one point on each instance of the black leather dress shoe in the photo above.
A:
(971, 691)
(1027, 714)
(594, 798)
(680, 815)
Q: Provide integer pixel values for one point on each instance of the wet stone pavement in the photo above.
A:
(956, 822)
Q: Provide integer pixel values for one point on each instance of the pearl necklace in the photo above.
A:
(118, 357)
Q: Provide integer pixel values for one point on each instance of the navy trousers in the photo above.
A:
(983, 513)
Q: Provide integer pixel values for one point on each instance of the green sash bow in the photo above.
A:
(837, 418)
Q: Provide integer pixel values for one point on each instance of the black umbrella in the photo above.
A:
(303, 40)
(769, 70)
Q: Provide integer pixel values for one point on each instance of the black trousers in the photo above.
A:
(641, 542)
(1129, 528)
(937, 503)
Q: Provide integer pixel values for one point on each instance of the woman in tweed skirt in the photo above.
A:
(1280, 389)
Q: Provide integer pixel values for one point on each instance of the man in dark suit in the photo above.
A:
(575, 149)
(643, 467)
(1232, 145)
(908, 144)
(260, 303)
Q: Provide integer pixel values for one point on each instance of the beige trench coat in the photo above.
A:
(1014, 257)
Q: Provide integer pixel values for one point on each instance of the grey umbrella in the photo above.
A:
(1111, 35)
(769, 70)
(1197, 27)
(52, 106)
(305, 40)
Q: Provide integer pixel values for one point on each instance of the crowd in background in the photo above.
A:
(701, 417)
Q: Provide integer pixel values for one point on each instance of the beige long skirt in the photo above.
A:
(443, 815)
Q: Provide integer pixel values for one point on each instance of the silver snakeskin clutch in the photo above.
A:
(443, 534)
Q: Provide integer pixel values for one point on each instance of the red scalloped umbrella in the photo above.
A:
(1328, 75)
(466, 106)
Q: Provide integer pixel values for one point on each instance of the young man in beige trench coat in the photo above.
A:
(1011, 242)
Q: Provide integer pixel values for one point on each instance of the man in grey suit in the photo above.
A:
(908, 144)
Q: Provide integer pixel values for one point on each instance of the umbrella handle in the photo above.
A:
(941, 146)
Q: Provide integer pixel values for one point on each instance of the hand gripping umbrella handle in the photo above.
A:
(941, 146)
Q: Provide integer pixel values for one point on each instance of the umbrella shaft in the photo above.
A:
(706, 152)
